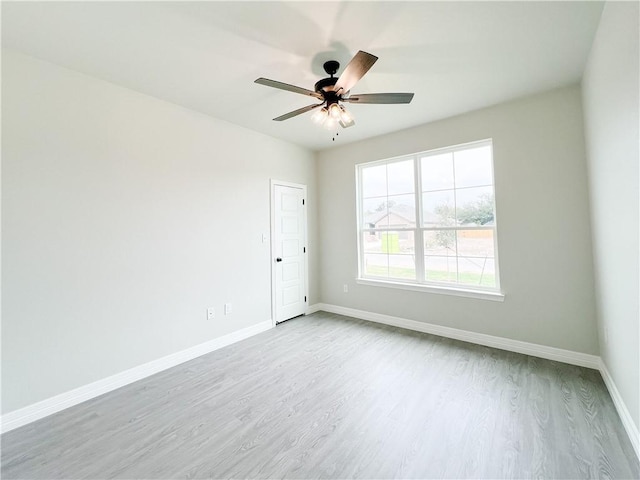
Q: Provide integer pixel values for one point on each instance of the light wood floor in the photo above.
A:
(327, 396)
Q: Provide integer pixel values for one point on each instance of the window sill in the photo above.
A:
(459, 292)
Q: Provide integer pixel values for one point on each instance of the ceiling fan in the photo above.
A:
(333, 92)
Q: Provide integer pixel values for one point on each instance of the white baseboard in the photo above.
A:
(313, 308)
(36, 411)
(535, 350)
(621, 407)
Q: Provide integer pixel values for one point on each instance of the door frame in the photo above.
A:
(272, 261)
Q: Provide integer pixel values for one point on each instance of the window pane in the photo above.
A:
(402, 260)
(406, 242)
(440, 242)
(375, 213)
(437, 172)
(402, 267)
(438, 209)
(371, 242)
(475, 243)
(376, 265)
(374, 181)
(473, 167)
(474, 206)
(476, 271)
(440, 269)
(397, 242)
(389, 254)
(400, 177)
(402, 211)
(376, 260)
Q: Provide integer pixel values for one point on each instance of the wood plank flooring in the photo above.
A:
(326, 396)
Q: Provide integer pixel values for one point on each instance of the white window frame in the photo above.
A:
(421, 284)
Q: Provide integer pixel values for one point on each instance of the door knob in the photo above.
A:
(278, 259)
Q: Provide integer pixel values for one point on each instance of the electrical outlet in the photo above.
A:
(227, 308)
(211, 313)
(606, 335)
(345, 288)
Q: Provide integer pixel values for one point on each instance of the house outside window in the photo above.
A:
(428, 220)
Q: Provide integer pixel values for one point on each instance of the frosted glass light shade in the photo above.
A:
(319, 116)
(345, 115)
(335, 111)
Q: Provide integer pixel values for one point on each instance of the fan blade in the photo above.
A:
(354, 71)
(380, 98)
(297, 112)
(348, 124)
(287, 87)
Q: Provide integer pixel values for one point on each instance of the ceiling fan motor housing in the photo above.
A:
(326, 85)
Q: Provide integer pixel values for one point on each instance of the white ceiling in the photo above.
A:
(455, 56)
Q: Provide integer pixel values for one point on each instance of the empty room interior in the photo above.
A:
(320, 239)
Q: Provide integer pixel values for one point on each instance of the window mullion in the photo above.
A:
(455, 215)
(418, 237)
(419, 240)
(360, 220)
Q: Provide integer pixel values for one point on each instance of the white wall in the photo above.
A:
(611, 104)
(124, 218)
(542, 214)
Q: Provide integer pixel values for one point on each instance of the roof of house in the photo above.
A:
(405, 212)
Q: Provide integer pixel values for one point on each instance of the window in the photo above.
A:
(428, 219)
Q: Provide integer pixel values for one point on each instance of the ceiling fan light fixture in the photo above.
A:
(335, 111)
(330, 123)
(319, 116)
(345, 115)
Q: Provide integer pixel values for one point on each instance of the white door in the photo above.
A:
(289, 251)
